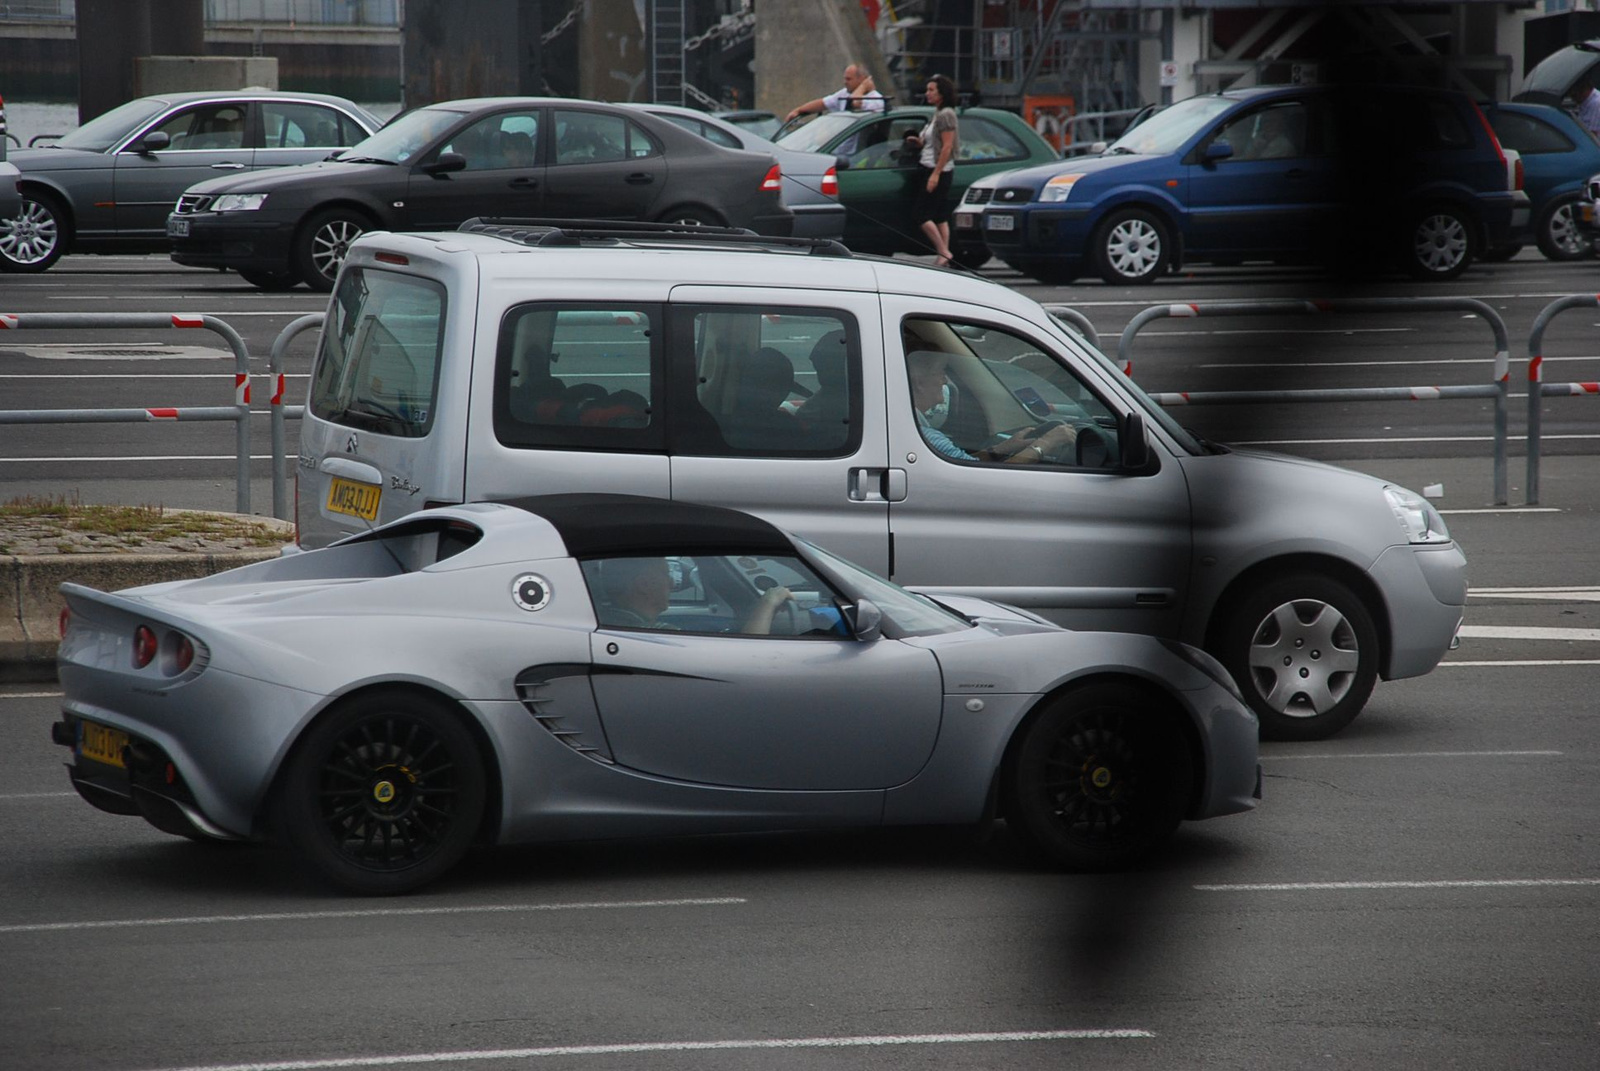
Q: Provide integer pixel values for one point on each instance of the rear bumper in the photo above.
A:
(819, 221)
(774, 226)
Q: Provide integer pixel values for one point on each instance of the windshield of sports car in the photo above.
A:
(905, 613)
(817, 133)
(406, 136)
(1167, 130)
(105, 130)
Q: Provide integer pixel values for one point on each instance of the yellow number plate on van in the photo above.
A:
(353, 498)
(102, 744)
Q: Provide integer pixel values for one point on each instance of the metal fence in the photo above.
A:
(1538, 390)
(286, 12)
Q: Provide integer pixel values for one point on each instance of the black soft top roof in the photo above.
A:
(601, 526)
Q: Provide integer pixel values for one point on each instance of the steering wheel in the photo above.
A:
(791, 619)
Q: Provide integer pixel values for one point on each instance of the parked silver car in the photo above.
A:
(108, 186)
(586, 666)
(810, 179)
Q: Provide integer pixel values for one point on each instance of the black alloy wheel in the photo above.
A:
(1100, 778)
(384, 794)
(36, 237)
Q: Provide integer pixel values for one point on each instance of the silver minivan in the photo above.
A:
(941, 430)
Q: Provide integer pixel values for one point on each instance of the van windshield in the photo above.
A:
(378, 366)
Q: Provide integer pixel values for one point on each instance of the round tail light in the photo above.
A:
(182, 653)
(144, 646)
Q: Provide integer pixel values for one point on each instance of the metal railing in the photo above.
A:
(238, 412)
(281, 412)
(1538, 390)
(1499, 389)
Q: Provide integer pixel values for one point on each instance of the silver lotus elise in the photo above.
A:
(599, 666)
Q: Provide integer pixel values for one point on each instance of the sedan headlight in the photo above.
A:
(239, 202)
(1059, 188)
(1418, 519)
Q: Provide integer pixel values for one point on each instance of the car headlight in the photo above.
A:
(1205, 663)
(1059, 188)
(1418, 519)
(239, 202)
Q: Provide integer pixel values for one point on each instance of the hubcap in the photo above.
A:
(1564, 231)
(388, 793)
(1441, 242)
(1133, 247)
(330, 244)
(1303, 658)
(30, 236)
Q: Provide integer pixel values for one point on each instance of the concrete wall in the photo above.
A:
(803, 47)
(181, 74)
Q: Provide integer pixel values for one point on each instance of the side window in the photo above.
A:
(718, 136)
(1276, 132)
(984, 395)
(765, 381)
(506, 140)
(591, 137)
(727, 594)
(378, 366)
(1528, 135)
(641, 144)
(985, 141)
(881, 144)
(299, 126)
(578, 375)
(209, 126)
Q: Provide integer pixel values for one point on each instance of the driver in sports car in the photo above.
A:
(637, 592)
(927, 369)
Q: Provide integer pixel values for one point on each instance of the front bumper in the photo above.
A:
(232, 240)
(1425, 587)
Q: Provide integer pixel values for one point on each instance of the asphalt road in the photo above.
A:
(1419, 892)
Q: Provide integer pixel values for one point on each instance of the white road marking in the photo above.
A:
(1504, 509)
(1524, 662)
(1318, 886)
(1524, 632)
(379, 912)
(30, 695)
(642, 1047)
(1273, 757)
(1403, 439)
(1583, 594)
(33, 796)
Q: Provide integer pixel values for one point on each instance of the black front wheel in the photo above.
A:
(322, 244)
(384, 794)
(1100, 779)
(271, 281)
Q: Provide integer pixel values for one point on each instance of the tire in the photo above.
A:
(1440, 243)
(270, 280)
(1499, 254)
(321, 245)
(1099, 779)
(1558, 235)
(690, 216)
(1132, 248)
(972, 257)
(384, 794)
(37, 236)
(1304, 651)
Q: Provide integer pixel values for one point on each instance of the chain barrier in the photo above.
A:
(561, 27)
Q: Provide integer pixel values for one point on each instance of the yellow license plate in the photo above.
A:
(353, 498)
(102, 744)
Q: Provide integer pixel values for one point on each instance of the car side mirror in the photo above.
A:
(155, 141)
(843, 163)
(865, 619)
(1133, 446)
(1099, 147)
(1218, 150)
(446, 163)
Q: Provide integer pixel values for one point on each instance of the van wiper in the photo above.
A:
(373, 416)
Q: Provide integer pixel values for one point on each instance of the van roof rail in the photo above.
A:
(574, 232)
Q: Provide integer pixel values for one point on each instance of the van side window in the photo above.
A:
(987, 396)
(579, 375)
(765, 381)
(378, 368)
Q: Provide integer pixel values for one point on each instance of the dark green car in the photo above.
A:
(875, 170)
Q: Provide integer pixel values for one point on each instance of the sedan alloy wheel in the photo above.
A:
(1558, 235)
(324, 243)
(1441, 245)
(31, 241)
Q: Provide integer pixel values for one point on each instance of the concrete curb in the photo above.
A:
(30, 600)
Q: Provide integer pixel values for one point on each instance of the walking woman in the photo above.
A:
(930, 190)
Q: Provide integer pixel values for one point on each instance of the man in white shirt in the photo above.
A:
(1588, 101)
(858, 95)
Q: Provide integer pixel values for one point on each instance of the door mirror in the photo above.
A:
(155, 141)
(446, 163)
(1218, 150)
(865, 619)
(1099, 147)
(1135, 448)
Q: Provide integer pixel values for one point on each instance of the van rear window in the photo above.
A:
(378, 367)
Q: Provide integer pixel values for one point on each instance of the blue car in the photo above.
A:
(1558, 156)
(1257, 174)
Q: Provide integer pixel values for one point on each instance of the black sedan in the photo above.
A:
(433, 168)
(108, 186)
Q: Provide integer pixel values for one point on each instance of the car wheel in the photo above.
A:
(1132, 247)
(384, 794)
(972, 257)
(36, 237)
(322, 243)
(1304, 651)
(270, 280)
(1099, 779)
(1500, 254)
(691, 217)
(1558, 235)
(1440, 244)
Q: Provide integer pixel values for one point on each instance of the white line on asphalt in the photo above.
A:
(642, 1047)
(1545, 594)
(379, 912)
(1273, 757)
(33, 796)
(1317, 886)
(1525, 632)
(30, 695)
(1403, 439)
(1504, 509)
(1524, 662)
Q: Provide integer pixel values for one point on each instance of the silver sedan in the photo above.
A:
(596, 666)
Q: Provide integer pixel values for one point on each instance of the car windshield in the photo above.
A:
(105, 130)
(906, 614)
(1184, 437)
(406, 136)
(817, 133)
(1167, 130)
(764, 125)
